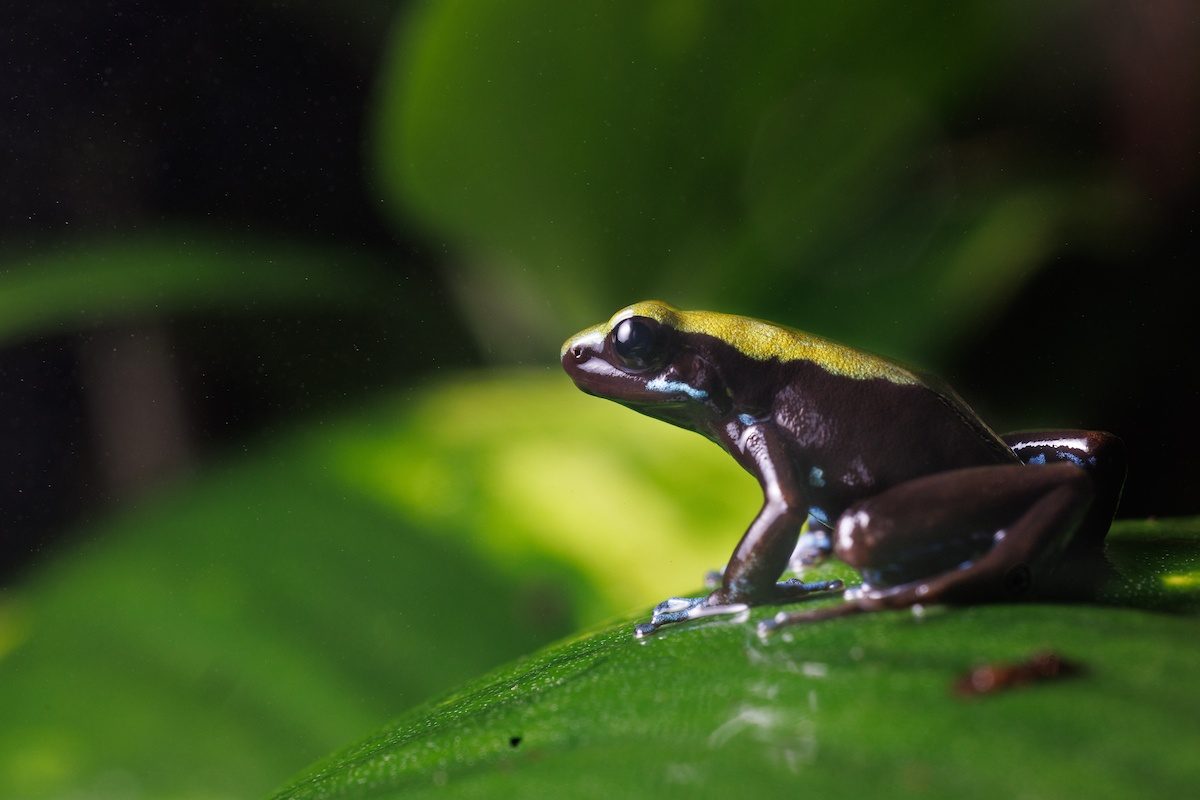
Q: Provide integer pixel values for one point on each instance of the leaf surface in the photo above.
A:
(862, 704)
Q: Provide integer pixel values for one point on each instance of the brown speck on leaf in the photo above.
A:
(996, 677)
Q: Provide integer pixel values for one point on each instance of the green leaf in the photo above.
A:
(217, 639)
(530, 465)
(175, 273)
(862, 704)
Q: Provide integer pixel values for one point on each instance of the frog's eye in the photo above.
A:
(639, 342)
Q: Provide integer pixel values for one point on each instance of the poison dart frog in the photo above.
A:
(883, 467)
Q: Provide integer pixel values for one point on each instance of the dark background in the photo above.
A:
(123, 117)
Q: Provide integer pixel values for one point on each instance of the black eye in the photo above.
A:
(639, 342)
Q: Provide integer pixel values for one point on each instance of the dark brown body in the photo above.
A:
(863, 435)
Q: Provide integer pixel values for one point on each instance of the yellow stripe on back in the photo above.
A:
(764, 340)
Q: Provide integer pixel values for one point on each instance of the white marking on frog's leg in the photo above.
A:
(1074, 444)
(1061, 445)
(671, 387)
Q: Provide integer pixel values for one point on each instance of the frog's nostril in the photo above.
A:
(578, 352)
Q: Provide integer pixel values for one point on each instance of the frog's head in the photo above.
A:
(642, 359)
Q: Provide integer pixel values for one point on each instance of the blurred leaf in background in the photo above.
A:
(131, 305)
(218, 639)
(804, 161)
(132, 278)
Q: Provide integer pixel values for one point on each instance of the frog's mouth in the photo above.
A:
(583, 359)
(595, 376)
(649, 393)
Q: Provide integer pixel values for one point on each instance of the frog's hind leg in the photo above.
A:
(1101, 455)
(970, 535)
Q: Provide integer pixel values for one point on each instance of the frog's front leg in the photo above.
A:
(765, 549)
(763, 553)
(814, 547)
(970, 535)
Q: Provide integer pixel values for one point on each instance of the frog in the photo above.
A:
(860, 459)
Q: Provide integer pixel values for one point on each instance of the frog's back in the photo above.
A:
(893, 387)
(763, 341)
(967, 416)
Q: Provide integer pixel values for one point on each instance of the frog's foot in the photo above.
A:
(796, 589)
(681, 609)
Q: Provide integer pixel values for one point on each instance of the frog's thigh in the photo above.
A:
(963, 535)
(1101, 455)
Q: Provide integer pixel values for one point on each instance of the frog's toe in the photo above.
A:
(795, 589)
(675, 608)
(681, 609)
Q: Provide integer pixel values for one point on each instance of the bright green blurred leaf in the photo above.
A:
(534, 466)
(219, 638)
(861, 705)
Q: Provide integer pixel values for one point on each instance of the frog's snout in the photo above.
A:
(574, 353)
(582, 346)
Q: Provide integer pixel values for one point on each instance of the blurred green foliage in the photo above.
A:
(216, 640)
(177, 273)
(792, 160)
